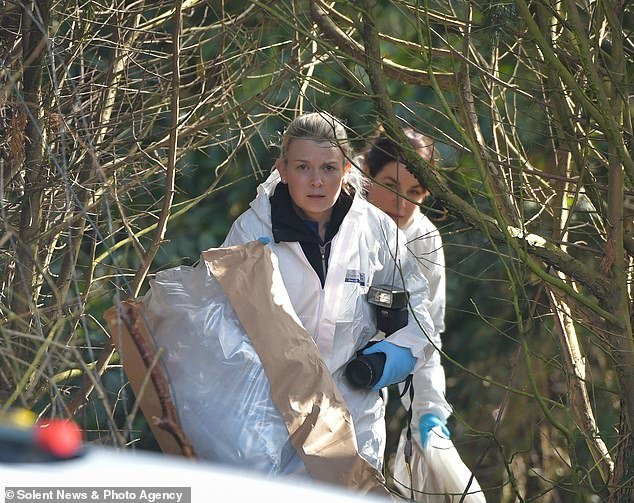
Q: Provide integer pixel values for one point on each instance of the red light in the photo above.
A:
(60, 437)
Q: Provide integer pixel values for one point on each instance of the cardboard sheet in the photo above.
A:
(136, 370)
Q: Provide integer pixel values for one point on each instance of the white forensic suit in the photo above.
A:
(425, 245)
(363, 252)
(439, 469)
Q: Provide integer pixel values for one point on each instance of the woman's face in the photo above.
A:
(396, 177)
(314, 172)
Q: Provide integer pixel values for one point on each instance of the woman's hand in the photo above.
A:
(399, 363)
(428, 422)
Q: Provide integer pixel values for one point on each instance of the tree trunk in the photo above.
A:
(622, 483)
(35, 16)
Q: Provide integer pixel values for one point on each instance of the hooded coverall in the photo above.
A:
(367, 249)
(425, 245)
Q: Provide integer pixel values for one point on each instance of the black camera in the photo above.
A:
(364, 371)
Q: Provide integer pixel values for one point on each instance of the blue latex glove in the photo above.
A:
(429, 421)
(264, 240)
(399, 363)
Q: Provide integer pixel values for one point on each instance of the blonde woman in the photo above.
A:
(331, 246)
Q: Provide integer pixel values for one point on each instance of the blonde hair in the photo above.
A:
(318, 126)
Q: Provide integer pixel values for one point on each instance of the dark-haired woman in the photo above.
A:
(396, 191)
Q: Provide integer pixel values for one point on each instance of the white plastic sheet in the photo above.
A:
(218, 382)
(438, 473)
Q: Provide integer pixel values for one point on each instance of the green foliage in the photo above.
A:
(529, 108)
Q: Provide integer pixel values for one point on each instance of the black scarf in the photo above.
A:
(288, 226)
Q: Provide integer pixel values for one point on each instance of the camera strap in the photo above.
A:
(407, 450)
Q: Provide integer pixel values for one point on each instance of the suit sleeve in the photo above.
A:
(429, 379)
(427, 251)
(401, 270)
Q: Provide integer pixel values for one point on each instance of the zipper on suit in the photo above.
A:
(297, 249)
(322, 250)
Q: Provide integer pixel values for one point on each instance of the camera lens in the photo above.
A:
(365, 371)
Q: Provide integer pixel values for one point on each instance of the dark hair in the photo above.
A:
(384, 149)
